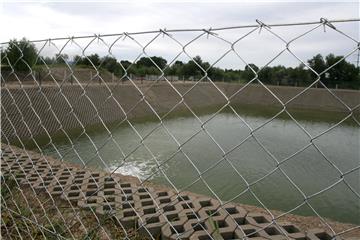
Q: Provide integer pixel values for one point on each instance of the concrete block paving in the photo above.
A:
(159, 212)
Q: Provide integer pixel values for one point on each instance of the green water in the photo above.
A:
(308, 169)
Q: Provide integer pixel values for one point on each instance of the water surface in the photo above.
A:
(228, 158)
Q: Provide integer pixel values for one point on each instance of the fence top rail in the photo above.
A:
(258, 24)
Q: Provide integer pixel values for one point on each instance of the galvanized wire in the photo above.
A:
(44, 223)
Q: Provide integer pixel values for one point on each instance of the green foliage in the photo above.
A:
(91, 60)
(58, 228)
(61, 58)
(21, 55)
(10, 184)
(91, 235)
(250, 72)
(193, 68)
(112, 65)
(150, 62)
(340, 73)
(317, 63)
(125, 63)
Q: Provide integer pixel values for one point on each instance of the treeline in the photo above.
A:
(332, 70)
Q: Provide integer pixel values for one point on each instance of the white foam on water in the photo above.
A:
(136, 167)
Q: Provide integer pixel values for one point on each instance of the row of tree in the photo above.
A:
(332, 70)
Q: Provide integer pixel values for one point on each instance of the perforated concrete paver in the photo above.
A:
(162, 213)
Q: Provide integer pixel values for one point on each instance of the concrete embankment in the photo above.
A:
(30, 111)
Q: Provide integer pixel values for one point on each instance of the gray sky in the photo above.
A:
(46, 19)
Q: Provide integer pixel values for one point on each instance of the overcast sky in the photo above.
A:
(46, 19)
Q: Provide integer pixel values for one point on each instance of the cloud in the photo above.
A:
(45, 20)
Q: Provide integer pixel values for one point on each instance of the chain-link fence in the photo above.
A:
(213, 151)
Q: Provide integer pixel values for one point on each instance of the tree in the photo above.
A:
(265, 75)
(112, 65)
(192, 68)
(89, 60)
(144, 62)
(49, 60)
(318, 64)
(248, 73)
(78, 60)
(125, 63)
(340, 72)
(61, 58)
(21, 55)
(161, 62)
(109, 63)
(149, 62)
(300, 76)
(175, 69)
(279, 75)
(94, 59)
(216, 73)
(232, 75)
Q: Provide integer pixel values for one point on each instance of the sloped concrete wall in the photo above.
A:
(28, 111)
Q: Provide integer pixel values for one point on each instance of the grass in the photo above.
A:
(23, 214)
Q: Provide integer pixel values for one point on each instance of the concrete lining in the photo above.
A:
(73, 106)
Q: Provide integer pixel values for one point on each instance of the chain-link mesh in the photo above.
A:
(56, 106)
